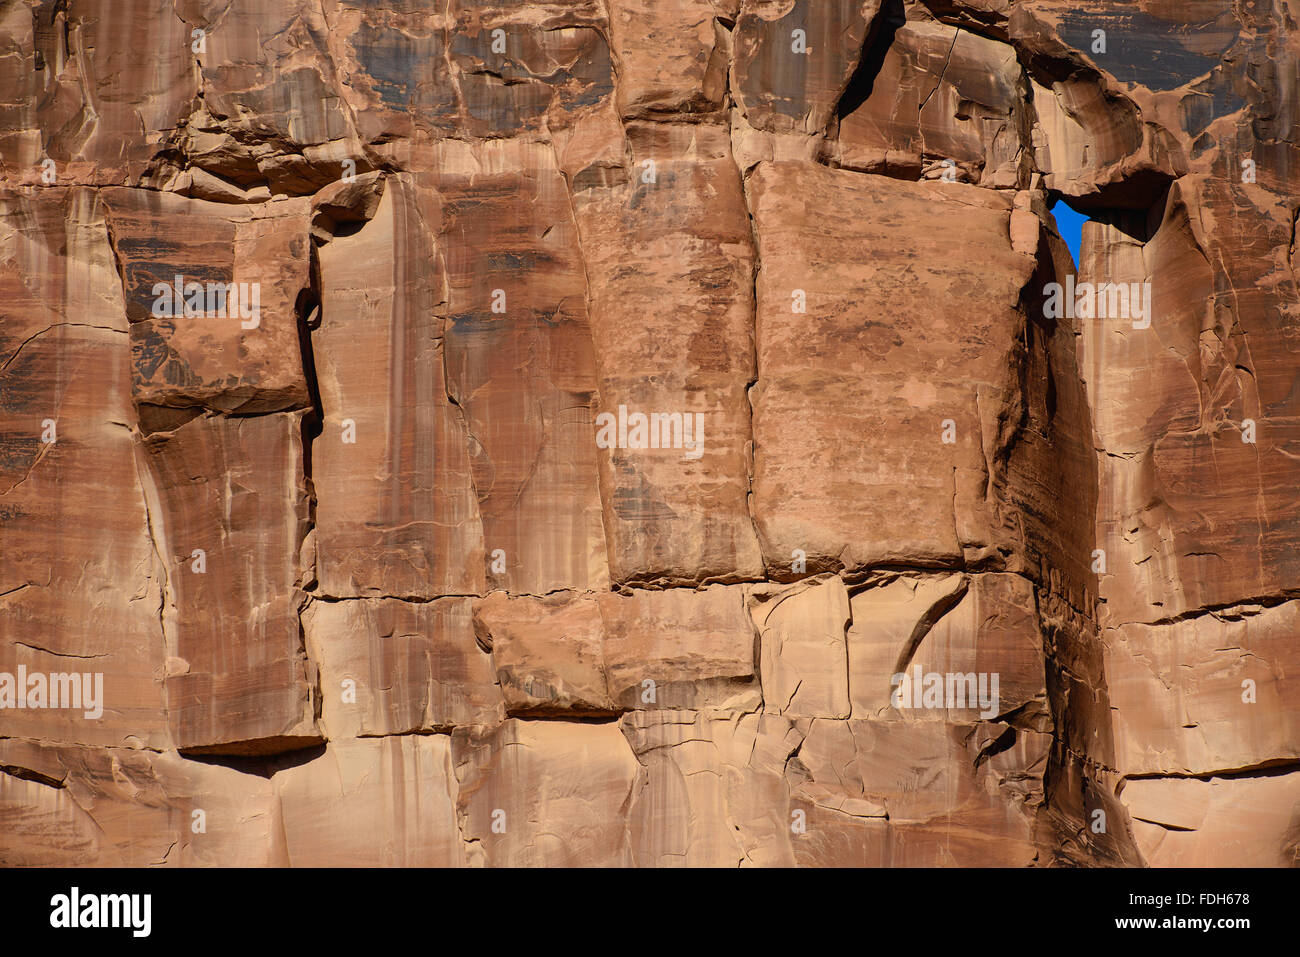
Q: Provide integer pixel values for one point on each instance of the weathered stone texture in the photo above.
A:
(657, 441)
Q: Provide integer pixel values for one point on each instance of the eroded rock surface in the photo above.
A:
(649, 433)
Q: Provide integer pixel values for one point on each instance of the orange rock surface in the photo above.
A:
(649, 433)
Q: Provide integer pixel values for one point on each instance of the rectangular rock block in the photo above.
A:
(228, 509)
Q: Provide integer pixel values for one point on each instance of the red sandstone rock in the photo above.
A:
(122, 807)
(80, 575)
(945, 101)
(238, 350)
(372, 802)
(389, 667)
(506, 775)
(229, 512)
(942, 470)
(669, 254)
(397, 575)
(675, 649)
(519, 362)
(396, 510)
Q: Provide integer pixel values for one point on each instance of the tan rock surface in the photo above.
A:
(1206, 694)
(519, 361)
(243, 355)
(79, 94)
(80, 582)
(805, 657)
(116, 807)
(229, 512)
(793, 60)
(1221, 822)
(422, 569)
(521, 804)
(394, 793)
(395, 667)
(396, 510)
(671, 267)
(607, 653)
(938, 463)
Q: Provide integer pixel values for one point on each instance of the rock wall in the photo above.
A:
(649, 433)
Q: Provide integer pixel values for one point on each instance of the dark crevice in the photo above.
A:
(260, 756)
(27, 774)
(986, 23)
(262, 766)
(1003, 742)
(307, 312)
(412, 599)
(164, 418)
(1135, 206)
(1262, 601)
(1273, 768)
(879, 39)
(306, 309)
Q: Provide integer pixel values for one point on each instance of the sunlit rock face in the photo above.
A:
(649, 433)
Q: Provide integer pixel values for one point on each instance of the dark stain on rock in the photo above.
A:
(1158, 53)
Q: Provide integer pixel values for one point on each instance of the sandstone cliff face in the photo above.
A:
(649, 433)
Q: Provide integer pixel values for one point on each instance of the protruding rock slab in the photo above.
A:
(805, 659)
(695, 648)
(682, 807)
(519, 362)
(794, 59)
(1196, 410)
(672, 57)
(947, 803)
(397, 667)
(722, 788)
(1216, 692)
(945, 101)
(1220, 822)
(604, 654)
(985, 627)
(228, 509)
(549, 654)
(669, 256)
(866, 282)
(229, 341)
